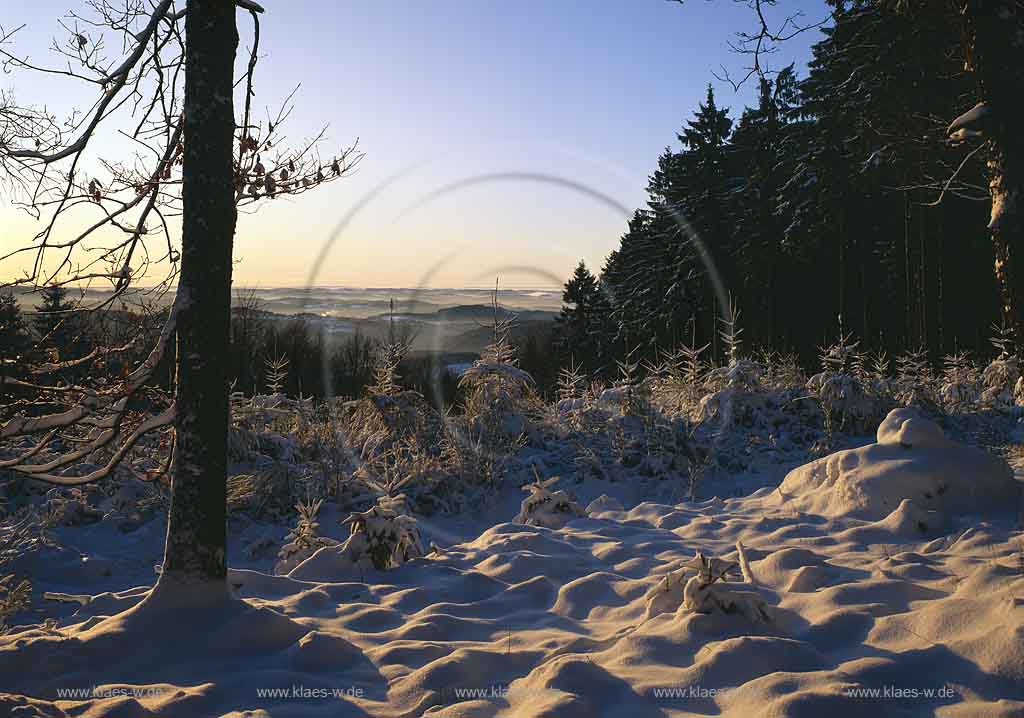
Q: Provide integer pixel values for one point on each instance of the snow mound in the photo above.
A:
(912, 460)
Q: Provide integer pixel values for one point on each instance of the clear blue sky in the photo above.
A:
(586, 91)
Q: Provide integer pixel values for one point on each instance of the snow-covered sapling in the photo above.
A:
(1000, 378)
(961, 382)
(384, 534)
(15, 596)
(302, 541)
(543, 507)
(277, 373)
(709, 589)
(844, 402)
(915, 380)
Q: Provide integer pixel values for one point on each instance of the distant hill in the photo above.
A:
(474, 312)
(475, 339)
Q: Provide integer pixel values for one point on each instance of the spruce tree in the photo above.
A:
(15, 341)
(59, 324)
(581, 298)
(760, 252)
(706, 183)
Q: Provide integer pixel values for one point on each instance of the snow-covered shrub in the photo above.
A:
(731, 390)
(479, 457)
(710, 570)
(324, 445)
(668, 445)
(578, 409)
(709, 591)
(617, 399)
(242, 443)
(703, 586)
(401, 441)
(571, 383)
(960, 387)
(23, 533)
(501, 409)
(999, 379)
(641, 431)
(496, 388)
(915, 383)
(547, 508)
(781, 371)
(15, 596)
(873, 371)
(681, 386)
(844, 402)
(267, 493)
(384, 535)
(589, 463)
(302, 541)
(19, 535)
(386, 380)
(733, 394)
(263, 425)
(432, 478)
(378, 423)
(740, 375)
(631, 393)
(277, 373)
(667, 595)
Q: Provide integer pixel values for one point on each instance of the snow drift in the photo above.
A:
(525, 621)
(911, 461)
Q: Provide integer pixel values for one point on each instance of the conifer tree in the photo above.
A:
(582, 299)
(59, 325)
(15, 340)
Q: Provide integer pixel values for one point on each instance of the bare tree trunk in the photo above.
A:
(995, 43)
(196, 540)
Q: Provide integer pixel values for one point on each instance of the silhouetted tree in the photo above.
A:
(59, 324)
(578, 326)
(225, 161)
(15, 340)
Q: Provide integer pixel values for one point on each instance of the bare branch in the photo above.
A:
(765, 38)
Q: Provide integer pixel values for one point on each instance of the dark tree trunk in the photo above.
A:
(195, 548)
(994, 34)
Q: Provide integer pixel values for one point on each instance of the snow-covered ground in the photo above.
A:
(886, 579)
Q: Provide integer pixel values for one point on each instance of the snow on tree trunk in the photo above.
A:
(195, 549)
(995, 36)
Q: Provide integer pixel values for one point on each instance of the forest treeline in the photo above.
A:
(266, 352)
(835, 205)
